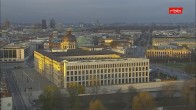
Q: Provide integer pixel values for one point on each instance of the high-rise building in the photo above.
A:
(52, 23)
(44, 24)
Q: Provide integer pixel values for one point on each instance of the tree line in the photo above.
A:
(52, 99)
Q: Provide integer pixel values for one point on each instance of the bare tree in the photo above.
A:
(132, 89)
(168, 89)
(95, 85)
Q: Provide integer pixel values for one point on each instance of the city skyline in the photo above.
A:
(73, 11)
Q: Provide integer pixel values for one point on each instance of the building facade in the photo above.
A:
(44, 25)
(106, 72)
(83, 67)
(168, 53)
(14, 52)
(157, 41)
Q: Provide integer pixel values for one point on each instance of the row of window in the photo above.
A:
(107, 65)
(90, 58)
(167, 53)
(103, 77)
(111, 82)
(69, 47)
(151, 52)
(173, 56)
(119, 70)
(8, 54)
(106, 76)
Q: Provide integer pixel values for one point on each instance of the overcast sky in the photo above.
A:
(106, 11)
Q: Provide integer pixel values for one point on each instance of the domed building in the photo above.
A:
(68, 41)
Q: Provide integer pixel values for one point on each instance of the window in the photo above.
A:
(122, 69)
(79, 78)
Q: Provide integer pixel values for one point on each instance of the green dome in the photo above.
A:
(84, 41)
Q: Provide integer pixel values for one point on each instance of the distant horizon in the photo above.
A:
(106, 11)
(90, 22)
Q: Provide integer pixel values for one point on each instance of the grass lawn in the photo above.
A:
(177, 65)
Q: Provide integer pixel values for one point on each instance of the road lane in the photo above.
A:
(15, 91)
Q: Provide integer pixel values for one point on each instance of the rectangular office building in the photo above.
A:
(14, 52)
(86, 67)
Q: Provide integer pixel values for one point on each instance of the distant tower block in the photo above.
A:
(44, 26)
(52, 23)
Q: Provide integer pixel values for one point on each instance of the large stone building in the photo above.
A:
(189, 41)
(82, 66)
(68, 64)
(168, 52)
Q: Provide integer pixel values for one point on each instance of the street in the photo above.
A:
(18, 102)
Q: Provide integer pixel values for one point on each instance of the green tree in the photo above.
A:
(143, 101)
(74, 89)
(51, 98)
(96, 105)
(188, 91)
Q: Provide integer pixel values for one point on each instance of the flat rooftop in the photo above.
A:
(108, 60)
(16, 46)
(60, 56)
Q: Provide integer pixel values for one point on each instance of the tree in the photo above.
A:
(95, 85)
(168, 89)
(51, 98)
(132, 92)
(132, 89)
(96, 105)
(74, 89)
(143, 101)
(188, 91)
